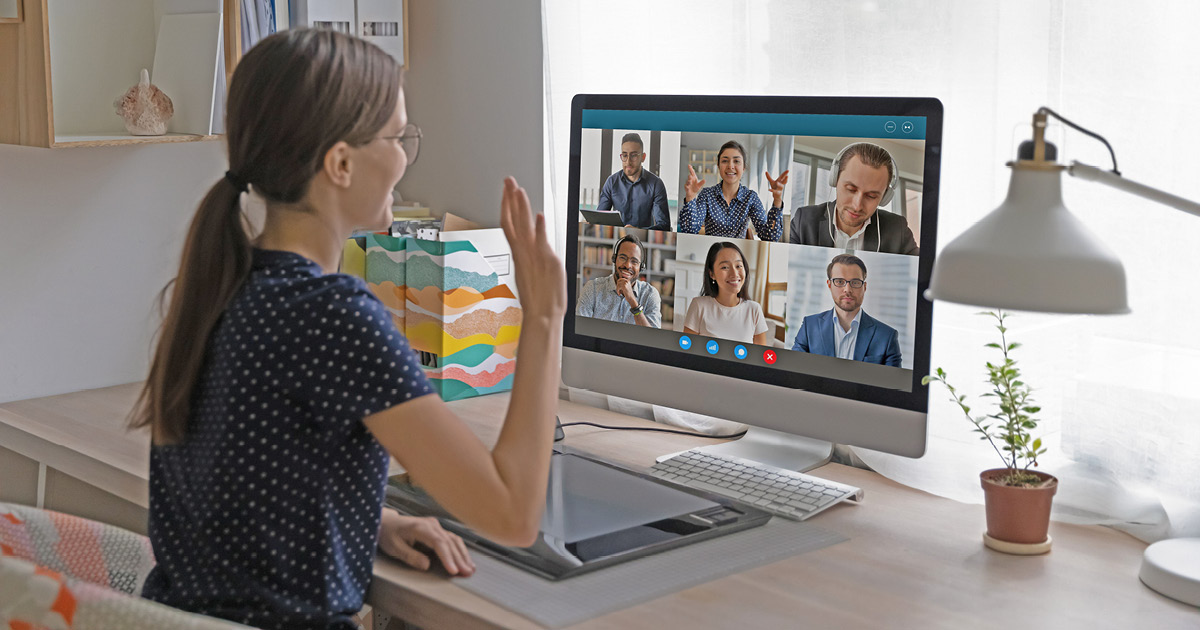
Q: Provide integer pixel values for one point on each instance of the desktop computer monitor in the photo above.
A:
(692, 287)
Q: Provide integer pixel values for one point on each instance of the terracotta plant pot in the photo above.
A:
(1015, 514)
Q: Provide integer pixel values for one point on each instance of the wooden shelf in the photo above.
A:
(61, 68)
(114, 140)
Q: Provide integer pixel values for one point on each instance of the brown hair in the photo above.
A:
(872, 155)
(732, 144)
(293, 97)
(845, 259)
(709, 287)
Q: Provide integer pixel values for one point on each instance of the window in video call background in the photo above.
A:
(779, 133)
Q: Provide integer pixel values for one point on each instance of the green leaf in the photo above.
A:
(1014, 345)
(1031, 409)
(992, 345)
(925, 380)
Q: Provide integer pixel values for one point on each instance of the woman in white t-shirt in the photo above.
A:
(724, 308)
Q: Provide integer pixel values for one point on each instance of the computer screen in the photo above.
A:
(758, 259)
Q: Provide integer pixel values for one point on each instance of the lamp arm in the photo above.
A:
(1091, 173)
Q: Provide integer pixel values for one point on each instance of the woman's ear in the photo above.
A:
(336, 164)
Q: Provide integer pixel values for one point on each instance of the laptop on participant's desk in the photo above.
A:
(597, 515)
(602, 217)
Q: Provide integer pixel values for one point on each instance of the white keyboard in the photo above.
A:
(784, 492)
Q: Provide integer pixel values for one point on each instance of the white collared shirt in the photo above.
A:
(841, 240)
(845, 340)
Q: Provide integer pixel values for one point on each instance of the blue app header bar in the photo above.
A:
(901, 127)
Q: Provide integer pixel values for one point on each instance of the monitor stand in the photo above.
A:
(773, 448)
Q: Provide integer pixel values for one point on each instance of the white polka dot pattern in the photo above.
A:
(268, 512)
(724, 220)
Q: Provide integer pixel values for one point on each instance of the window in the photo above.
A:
(1101, 382)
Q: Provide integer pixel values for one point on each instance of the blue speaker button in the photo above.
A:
(685, 342)
(889, 126)
(712, 346)
(740, 351)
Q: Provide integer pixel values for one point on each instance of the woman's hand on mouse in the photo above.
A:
(398, 534)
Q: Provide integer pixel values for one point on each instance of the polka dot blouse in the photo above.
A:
(730, 220)
(267, 513)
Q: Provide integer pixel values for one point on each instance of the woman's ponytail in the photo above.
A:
(216, 261)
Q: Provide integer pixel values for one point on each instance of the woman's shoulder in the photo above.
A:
(299, 289)
(751, 305)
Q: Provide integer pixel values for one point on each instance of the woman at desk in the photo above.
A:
(724, 308)
(726, 209)
(279, 387)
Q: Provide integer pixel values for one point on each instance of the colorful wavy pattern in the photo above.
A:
(473, 326)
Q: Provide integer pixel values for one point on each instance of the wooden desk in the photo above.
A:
(913, 560)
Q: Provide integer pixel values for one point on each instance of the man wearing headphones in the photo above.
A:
(864, 176)
(621, 297)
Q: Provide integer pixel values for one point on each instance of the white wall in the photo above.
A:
(474, 86)
(89, 236)
(87, 239)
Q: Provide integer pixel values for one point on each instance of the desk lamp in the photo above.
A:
(1001, 262)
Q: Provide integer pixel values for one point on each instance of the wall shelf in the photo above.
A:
(62, 65)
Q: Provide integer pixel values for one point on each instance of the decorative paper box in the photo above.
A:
(453, 307)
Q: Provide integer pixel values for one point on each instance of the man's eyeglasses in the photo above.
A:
(623, 259)
(854, 284)
(625, 157)
(410, 141)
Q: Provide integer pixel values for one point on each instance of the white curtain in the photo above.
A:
(1120, 395)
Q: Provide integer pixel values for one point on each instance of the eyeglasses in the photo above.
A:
(410, 141)
(854, 284)
(626, 157)
(623, 259)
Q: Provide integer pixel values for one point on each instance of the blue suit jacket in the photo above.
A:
(877, 342)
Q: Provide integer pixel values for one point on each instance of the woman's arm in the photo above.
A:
(767, 225)
(760, 339)
(691, 215)
(500, 493)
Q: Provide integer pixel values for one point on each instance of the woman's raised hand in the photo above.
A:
(777, 188)
(541, 277)
(693, 185)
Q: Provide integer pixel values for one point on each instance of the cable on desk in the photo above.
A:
(700, 435)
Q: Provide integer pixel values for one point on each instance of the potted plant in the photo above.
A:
(1017, 498)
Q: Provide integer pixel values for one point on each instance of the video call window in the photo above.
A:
(797, 251)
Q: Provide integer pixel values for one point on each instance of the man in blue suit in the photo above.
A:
(845, 331)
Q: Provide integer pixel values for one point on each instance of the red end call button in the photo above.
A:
(769, 356)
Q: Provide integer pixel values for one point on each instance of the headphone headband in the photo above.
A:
(888, 193)
(629, 238)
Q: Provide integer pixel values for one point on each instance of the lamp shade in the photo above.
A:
(1031, 254)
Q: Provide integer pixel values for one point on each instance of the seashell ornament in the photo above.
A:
(145, 108)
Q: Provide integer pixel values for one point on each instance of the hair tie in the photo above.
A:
(240, 184)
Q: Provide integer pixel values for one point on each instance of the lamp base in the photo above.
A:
(1017, 549)
(1172, 568)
